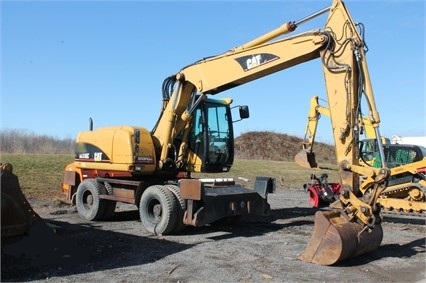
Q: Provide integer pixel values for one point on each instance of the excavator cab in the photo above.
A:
(211, 138)
(369, 149)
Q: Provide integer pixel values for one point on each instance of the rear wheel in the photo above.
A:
(158, 210)
(89, 205)
(179, 226)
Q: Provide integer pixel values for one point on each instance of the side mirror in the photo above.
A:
(244, 112)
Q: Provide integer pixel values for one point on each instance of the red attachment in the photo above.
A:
(336, 188)
(313, 196)
(317, 193)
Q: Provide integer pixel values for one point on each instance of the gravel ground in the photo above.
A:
(255, 249)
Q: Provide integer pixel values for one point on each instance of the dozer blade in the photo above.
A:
(306, 159)
(335, 239)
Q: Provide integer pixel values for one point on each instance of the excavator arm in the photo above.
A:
(229, 70)
(368, 145)
(306, 157)
(340, 47)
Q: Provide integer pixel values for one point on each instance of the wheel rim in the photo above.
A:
(154, 211)
(87, 200)
(157, 211)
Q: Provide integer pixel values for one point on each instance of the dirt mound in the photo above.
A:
(264, 145)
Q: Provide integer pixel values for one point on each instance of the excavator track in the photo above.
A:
(404, 199)
(392, 213)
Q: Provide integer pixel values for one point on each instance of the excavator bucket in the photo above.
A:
(17, 215)
(306, 159)
(335, 239)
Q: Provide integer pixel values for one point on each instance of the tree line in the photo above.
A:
(23, 141)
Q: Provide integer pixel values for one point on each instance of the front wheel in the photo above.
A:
(89, 205)
(158, 210)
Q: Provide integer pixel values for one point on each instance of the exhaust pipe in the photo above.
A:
(90, 124)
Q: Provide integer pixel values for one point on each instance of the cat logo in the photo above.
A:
(250, 62)
(254, 61)
(98, 156)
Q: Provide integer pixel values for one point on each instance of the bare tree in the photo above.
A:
(22, 141)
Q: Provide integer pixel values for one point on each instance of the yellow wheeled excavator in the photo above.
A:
(152, 169)
(406, 189)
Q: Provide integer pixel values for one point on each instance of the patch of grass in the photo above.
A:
(40, 175)
(287, 174)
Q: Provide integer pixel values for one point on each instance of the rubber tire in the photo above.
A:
(109, 204)
(179, 226)
(158, 197)
(95, 210)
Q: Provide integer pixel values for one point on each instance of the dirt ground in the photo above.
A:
(255, 249)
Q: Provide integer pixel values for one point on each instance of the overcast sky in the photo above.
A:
(65, 61)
